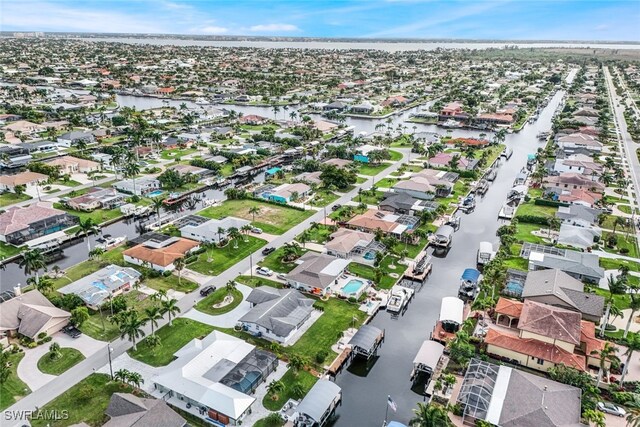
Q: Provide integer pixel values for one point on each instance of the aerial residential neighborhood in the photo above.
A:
(324, 227)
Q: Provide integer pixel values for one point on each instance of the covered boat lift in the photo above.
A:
(452, 314)
(426, 362)
(366, 341)
(318, 405)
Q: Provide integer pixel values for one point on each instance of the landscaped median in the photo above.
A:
(221, 301)
(65, 359)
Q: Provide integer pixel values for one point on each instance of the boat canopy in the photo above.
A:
(429, 354)
(319, 399)
(471, 275)
(485, 248)
(444, 231)
(451, 310)
(366, 338)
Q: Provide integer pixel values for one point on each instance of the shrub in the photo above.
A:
(624, 250)
(42, 335)
(321, 356)
(622, 397)
(553, 203)
(533, 219)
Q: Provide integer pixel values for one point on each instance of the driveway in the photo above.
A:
(28, 368)
(226, 320)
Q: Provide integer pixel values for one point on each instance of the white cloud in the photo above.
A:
(212, 29)
(272, 28)
(601, 27)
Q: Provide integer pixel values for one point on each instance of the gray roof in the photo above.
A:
(366, 337)
(279, 310)
(317, 270)
(578, 213)
(578, 236)
(96, 287)
(582, 263)
(398, 200)
(319, 399)
(127, 410)
(29, 314)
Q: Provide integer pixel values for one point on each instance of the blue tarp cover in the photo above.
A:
(471, 275)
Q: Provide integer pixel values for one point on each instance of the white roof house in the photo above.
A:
(208, 231)
(199, 368)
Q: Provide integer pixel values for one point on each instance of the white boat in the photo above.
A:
(507, 211)
(506, 153)
(202, 101)
(398, 298)
(107, 242)
(451, 124)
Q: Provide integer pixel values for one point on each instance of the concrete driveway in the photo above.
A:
(226, 320)
(28, 368)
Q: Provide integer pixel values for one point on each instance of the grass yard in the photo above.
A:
(629, 244)
(227, 256)
(324, 198)
(304, 378)
(84, 402)
(395, 155)
(69, 357)
(368, 272)
(177, 153)
(272, 219)
(369, 199)
(524, 230)
(529, 208)
(98, 216)
(256, 281)
(7, 250)
(615, 264)
(371, 170)
(13, 389)
(173, 338)
(7, 199)
(624, 208)
(317, 234)
(517, 263)
(67, 183)
(265, 422)
(205, 305)
(387, 182)
(275, 263)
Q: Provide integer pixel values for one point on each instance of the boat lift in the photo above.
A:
(426, 364)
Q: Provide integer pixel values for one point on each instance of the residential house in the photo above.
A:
(395, 101)
(97, 198)
(67, 139)
(128, 410)
(40, 146)
(404, 204)
(578, 163)
(579, 236)
(216, 375)
(276, 314)
(252, 119)
(30, 314)
(453, 110)
(417, 186)
(363, 108)
(566, 182)
(318, 406)
(339, 163)
(139, 187)
(14, 156)
(24, 127)
(102, 285)
(557, 288)
(443, 160)
(310, 177)
(71, 165)
(324, 126)
(316, 272)
(583, 266)
(494, 118)
(21, 224)
(508, 397)
(286, 193)
(27, 179)
(213, 230)
(160, 255)
(352, 244)
(580, 197)
(335, 106)
(578, 215)
(399, 226)
(196, 171)
(579, 140)
(362, 153)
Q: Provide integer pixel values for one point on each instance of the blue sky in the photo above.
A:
(502, 19)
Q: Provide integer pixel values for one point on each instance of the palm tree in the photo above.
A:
(633, 410)
(221, 231)
(54, 351)
(296, 363)
(159, 295)
(254, 210)
(633, 345)
(290, 251)
(131, 327)
(634, 305)
(275, 387)
(179, 265)
(84, 228)
(171, 308)
(153, 314)
(297, 390)
(121, 375)
(130, 171)
(430, 415)
(32, 262)
(157, 204)
(135, 379)
(231, 286)
(607, 356)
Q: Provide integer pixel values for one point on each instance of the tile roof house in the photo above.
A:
(373, 220)
(160, 255)
(28, 179)
(580, 197)
(557, 288)
(103, 284)
(443, 159)
(350, 244)
(276, 314)
(579, 140)
(565, 182)
(71, 165)
(316, 272)
(21, 224)
(128, 410)
(341, 163)
(30, 314)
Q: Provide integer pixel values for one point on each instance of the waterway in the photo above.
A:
(365, 395)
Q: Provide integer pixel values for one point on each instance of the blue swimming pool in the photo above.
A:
(155, 193)
(353, 287)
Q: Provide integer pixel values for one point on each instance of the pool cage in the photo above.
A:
(514, 285)
(477, 389)
(251, 371)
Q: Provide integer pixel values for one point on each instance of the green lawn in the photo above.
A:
(369, 199)
(368, 272)
(529, 208)
(69, 357)
(304, 378)
(615, 264)
(206, 304)
(265, 422)
(7, 250)
(98, 216)
(412, 250)
(620, 301)
(324, 198)
(84, 402)
(256, 281)
(227, 256)
(517, 263)
(629, 243)
(7, 199)
(317, 234)
(173, 338)
(371, 170)
(387, 182)
(176, 153)
(274, 261)
(624, 208)
(523, 233)
(68, 183)
(272, 219)
(395, 155)
(226, 170)
(13, 389)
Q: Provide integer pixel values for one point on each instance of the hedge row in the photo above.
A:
(543, 202)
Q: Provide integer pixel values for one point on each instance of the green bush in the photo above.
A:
(321, 356)
(622, 397)
(533, 219)
(42, 335)
(553, 203)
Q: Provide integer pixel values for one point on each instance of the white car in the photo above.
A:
(256, 230)
(264, 271)
(610, 408)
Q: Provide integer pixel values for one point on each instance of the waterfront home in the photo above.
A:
(276, 314)
(580, 197)
(580, 236)
(139, 187)
(71, 165)
(362, 153)
(443, 160)
(30, 314)
(21, 224)
(579, 140)
(559, 184)
(128, 410)
(27, 179)
(494, 118)
(212, 230)
(373, 220)
(215, 375)
(24, 126)
(363, 108)
(309, 177)
(453, 110)
(339, 163)
(252, 119)
(318, 406)
(160, 255)
(335, 106)
(66, 140)
(404, 204)
(395, 101)
(542, 336)
(40, 146)
(14, 156)
(508, 397)
(352, 244)
(418, 187)
(578, 163)
(102, 285)
(196, 171)
(557, 288)
(97, 198)
(316, 272)
(583, 266)
(286, 193)
(578, 215)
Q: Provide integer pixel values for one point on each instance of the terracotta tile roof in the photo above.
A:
(162, 256)
(370, 221)
(534, 348)
(549, 321)
(22, 178)
(509, 307)
(19, 218)
(588, 336)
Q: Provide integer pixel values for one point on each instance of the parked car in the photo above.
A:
(72, 331)
(264, 271)
(207, 290)
(256, 230)
(281, 276)
(610, 408)
(336, 207)
(267, 251)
